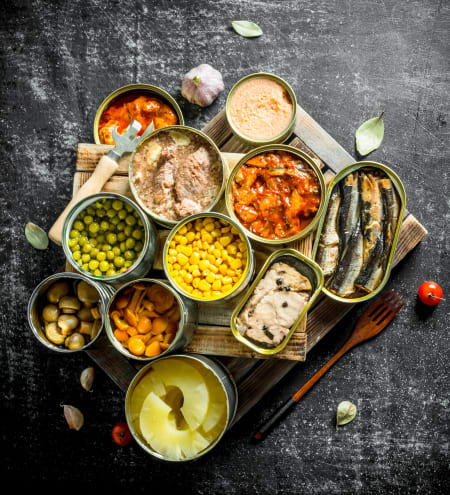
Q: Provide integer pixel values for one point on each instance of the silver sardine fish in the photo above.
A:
(349, 210)
(328, 250)
(350, 265)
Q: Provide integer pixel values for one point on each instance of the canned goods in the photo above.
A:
(178, 129)
(284, 134)
(305, 267)
(36, 304)
(144, 383)
(185, 326)
(208, 257)
(137, 89)
(141, 261)
(399, 190)
(297, 153)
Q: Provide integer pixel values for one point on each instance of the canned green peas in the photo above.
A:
(107, 237)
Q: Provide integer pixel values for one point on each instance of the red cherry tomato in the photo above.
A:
(121, 434)
(430, 293)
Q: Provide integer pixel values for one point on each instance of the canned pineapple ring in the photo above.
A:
(207, 257)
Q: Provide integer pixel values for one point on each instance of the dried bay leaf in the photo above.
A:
(247, 29)
(37, 237)
(369, 135)
(346, 412)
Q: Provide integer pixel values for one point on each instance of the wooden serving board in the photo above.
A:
(213, 336)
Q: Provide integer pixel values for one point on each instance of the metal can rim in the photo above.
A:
(70, 218)
(274, 147)
(248, 268)
(33, 299)
(199, 358)
(269, 261)
(134, 87)
(283, 135)
(398, 184)
(158, 219)
(118, 346)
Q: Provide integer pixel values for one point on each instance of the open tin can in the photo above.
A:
(224, 378)
(186, 326)
(137, 89)
(249, 265)
(165, 222)
(143, 262)
(36, 304)
(296, 152)
(285, 133)
(305, 267)
(400, 190)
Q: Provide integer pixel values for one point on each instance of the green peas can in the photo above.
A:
(107, 237)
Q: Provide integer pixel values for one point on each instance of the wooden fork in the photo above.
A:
(374, 319)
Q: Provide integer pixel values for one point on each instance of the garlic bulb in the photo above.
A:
(202, 84)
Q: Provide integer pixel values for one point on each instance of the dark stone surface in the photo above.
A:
(347, 62)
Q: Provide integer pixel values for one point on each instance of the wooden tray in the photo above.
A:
(213, 336)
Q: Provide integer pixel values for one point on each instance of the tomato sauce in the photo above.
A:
(275, 194)
(143, 108)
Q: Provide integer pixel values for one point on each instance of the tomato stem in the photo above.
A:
(435, 297)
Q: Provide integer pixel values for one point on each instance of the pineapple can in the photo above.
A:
(223, 376)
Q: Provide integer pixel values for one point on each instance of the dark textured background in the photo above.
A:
(347, 61)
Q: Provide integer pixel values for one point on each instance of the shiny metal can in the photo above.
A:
(137, 89)
(303, 265)
(164, 222)
(145, 260)
(284, 135)
(223, 376)
(186, 326)
(35, 305)
(296, 152)
(398, 185)
(250, 261)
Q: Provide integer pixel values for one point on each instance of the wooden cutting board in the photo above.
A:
(213, 336)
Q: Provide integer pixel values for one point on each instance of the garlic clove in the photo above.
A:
(74, 417)
(87, 378)
(201, 85)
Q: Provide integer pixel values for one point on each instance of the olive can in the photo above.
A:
(249, 267)
(223, 376)
(35, 305)
(164, 222)
(138, 89)
(399, 188)
(303, 265)
(296, 152)
(145, 260)
(286, 133)
(186, 326)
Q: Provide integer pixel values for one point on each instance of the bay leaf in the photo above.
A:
(247, 29)
(346, 412)
(369, 135)
(37, 237)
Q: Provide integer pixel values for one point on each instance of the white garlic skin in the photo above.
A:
(202, 84)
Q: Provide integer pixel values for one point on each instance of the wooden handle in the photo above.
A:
(264, 429)
(105, 168)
